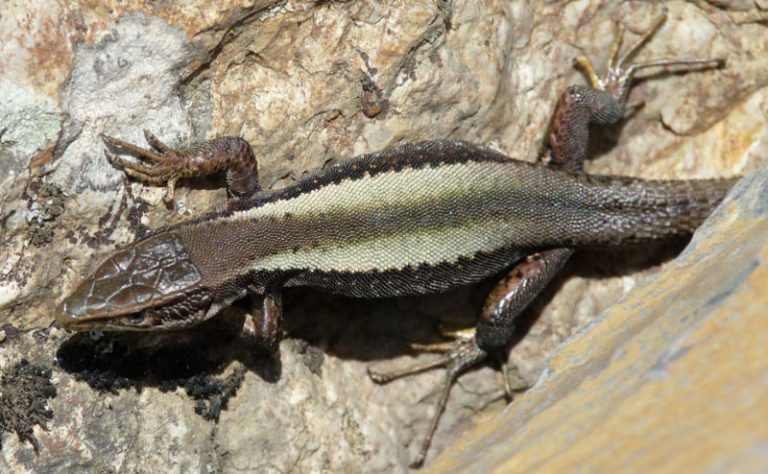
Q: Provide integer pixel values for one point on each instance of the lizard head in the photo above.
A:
(150, 284)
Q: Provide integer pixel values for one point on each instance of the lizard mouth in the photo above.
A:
(127, 321)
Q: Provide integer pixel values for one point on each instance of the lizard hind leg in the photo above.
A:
(604, 102)
(494, 330)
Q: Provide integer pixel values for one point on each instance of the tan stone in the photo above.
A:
(290, 77)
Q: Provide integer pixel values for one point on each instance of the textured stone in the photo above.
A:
(307, 82)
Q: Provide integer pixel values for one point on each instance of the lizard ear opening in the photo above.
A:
(185, 311)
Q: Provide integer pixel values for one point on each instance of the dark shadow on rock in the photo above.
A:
(597, 264)
(193, 359)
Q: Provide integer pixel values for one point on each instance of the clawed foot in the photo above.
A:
(165, 165)
(457, 356)
(618, 75)
(161, 165)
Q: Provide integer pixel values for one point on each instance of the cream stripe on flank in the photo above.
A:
(396, 251)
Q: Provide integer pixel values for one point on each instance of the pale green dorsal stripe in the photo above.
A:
(403, 188)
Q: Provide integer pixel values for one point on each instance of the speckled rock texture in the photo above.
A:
(308, 82)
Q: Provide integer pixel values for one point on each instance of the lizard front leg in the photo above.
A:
(166, 165)
(566, 143)
(267, 330)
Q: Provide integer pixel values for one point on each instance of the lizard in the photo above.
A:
(418, 218)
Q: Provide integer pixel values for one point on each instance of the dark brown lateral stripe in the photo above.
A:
(411, 155)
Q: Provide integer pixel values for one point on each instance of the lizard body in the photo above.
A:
(415, 219)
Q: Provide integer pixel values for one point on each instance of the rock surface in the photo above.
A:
(307, 82)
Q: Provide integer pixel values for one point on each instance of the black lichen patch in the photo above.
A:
(108, 364)
(24, 391)
(10, 331)
(45, 203)
(211, 393)
(185, 369)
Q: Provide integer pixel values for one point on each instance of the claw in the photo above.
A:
(158, 145)
(632, 50)
(386, 377)
(459, 355)
(157, 180)
(163, 166)
(616, 47)
(454, 336)
(465, 334)
(618, 75)
(138, 167)
(142, 153)
(443, 346)
(170, 188)
(512, 380)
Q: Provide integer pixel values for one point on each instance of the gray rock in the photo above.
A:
(305, 83)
